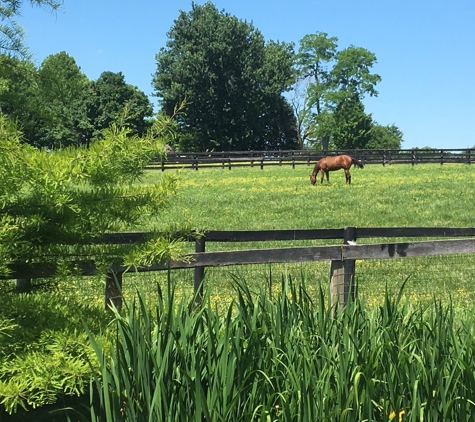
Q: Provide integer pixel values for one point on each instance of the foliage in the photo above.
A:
(352, 126)
(232, 80)
(44, 355)
(110, 98)
(19, 92)
(11, 34)
(285, 358)
(337, 83)
(385, 137)
(51, 203)
(62, 90)
(57, 106)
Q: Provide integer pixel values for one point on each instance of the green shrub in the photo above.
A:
(44, 350)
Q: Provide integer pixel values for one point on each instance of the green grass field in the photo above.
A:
(282, 198)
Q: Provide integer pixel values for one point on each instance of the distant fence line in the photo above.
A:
(230, 159)
(342, 257)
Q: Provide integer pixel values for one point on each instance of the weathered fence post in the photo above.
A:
(23, 285)
(200, 246)
(113, 290)
(342, 275)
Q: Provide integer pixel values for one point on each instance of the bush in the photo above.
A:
(44, 350)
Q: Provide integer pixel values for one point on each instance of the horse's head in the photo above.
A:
(313, 179)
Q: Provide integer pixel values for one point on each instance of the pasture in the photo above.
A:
(428, 195)
(282, 197)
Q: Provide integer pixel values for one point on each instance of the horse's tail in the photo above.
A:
(357, 162)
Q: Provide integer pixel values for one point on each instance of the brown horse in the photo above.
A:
(331, 163)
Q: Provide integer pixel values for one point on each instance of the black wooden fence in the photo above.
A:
(230, 159)
(342, 256)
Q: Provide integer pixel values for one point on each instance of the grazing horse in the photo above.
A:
(337, 162)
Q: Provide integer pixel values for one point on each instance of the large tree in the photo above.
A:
(352, 126)
(62, 91)
(231, 79)
(337, 83)
(385, 137)
(19, 92)
(112, 98)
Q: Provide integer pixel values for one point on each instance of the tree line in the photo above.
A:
(238, 91)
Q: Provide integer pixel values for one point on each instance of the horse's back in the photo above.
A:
(335, 162)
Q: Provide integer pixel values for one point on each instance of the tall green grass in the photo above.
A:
(285, 358)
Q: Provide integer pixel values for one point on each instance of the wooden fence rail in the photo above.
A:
(230, 159)
(342, 256)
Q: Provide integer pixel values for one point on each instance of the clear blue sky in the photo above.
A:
(425, 49)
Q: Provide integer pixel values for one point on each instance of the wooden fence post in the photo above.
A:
(113, 291)
(200, 246)
(23, 285)
(342, 275)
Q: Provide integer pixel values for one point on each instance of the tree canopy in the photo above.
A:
(56, 105)
(110, 98)
(231, 79)
(241, 91)
(385, 137)
(333, 114)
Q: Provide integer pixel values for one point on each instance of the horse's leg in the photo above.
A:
(328, 176)
(322, 173)
(348, 176)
